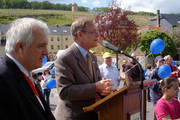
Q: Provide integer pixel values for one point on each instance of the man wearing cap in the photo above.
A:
(107, 70)
(159, 60)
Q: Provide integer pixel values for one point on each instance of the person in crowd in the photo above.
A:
(25, 48)
(124, 65)
(76, 72)
(147, 77)
(168, 60)
(107, 70)
(44, 78)
(37, 81)
(168, 107)
(159, 60)
(132, 72)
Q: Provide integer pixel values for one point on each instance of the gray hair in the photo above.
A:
(21, 31)
(79, 24)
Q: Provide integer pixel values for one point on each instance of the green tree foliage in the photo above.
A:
(176, 37)
(46, 5)
(24, 4)
(143, 13)
(35, 5)
(83, 8)
(100, 9)
(14, 4)
(146, 38)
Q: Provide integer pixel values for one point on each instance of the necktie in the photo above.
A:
(89, 59)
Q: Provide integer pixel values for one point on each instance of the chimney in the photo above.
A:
(158, 18)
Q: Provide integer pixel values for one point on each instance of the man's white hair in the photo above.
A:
(21, 31)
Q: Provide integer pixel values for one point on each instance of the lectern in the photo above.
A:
(123, 104)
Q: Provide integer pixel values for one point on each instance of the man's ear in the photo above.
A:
(79, 33)
(19, 47)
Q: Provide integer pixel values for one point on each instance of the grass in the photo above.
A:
(54, 17)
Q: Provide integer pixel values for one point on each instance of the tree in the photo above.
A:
(176, 37)
(115, 27)
(100, 10)
(35, 5)
(46, 5)
(146, 38)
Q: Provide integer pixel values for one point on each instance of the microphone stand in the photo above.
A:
(141, 83)
(117, 50)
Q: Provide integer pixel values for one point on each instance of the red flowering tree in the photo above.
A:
(115, 27)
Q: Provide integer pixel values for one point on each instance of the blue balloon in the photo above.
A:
(44, 60)
(144, 73)
(53, 70)
(157, 46)
(164, 71)
(51, 83)
(174, 63)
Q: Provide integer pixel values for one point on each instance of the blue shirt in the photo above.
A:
(82, 50)
(110, 72)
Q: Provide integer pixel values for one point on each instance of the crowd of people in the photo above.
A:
(80, 82)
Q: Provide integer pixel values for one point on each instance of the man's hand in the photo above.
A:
(104, 87)
(119, 79)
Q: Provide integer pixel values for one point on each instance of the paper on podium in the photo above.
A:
(121, 84)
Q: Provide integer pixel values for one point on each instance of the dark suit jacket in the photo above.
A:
(18, 101)
(75, 85)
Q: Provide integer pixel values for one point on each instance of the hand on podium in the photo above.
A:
(104, 87)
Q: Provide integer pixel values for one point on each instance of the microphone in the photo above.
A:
(110, 46)
(113, 48)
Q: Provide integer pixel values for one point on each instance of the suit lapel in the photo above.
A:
(82, 64)
(22, 84)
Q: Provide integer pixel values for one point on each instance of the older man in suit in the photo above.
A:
(77, 83)
(25, 48)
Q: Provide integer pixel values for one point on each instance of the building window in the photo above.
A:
(66, 38)
(52, 47)
(52, 38)
(58, 46)
(58, 38)
(3, 41)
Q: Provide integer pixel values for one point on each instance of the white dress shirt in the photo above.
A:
(110, 72)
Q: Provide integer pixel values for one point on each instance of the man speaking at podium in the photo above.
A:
(77, 74)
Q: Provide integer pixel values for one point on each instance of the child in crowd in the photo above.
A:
(168, 107)
(44, 78)
(37, 81)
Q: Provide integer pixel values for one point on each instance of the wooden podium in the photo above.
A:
(123, 104)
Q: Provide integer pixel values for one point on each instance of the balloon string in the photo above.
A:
(137, 64)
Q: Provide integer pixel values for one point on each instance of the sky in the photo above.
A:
(165, 6)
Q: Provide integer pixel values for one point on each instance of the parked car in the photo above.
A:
(48, 65)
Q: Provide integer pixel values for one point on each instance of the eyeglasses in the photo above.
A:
(93, 32)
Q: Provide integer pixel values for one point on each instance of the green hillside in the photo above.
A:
(54, 17)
